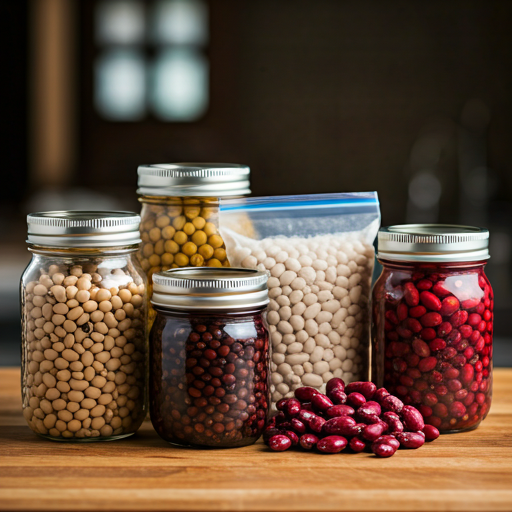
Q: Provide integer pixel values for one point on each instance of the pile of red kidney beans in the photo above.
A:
(358, 415)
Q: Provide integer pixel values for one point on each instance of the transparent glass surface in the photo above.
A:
(432, 340)
(209, 378)
(84, 345)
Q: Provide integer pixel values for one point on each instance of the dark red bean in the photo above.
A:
(380, 394)
(292, 436)
(367, 389)
(374, 431)
(356, 400)
(308, 441)
(392, 403)
(411, 295)
(412, 418)
(458, 318)
(279, 443)
(338, 397)
(388, 439)
(411, 440)
(298, 426)
(292, 407)
(316, 423)
(427, 364)
(357, 445)
(339, 410)
(431, 319)
(431, 432)
(331, 444)
(341, 425)
(383, 450)
(305, 393)
(449, 306)
(417, 311)
(430, 301)
(334, 383)
(320, 402)
(393, 421)
(420, 348)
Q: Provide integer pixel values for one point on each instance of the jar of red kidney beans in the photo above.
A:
(433, 322)
(209, 356)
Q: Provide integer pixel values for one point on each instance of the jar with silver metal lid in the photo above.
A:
(84, 319)
(433, 322)
(180, 207)
(209, 356)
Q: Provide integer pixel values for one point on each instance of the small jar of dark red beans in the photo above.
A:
(433, 322)
(209, 356)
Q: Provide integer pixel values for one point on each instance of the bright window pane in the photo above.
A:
(120, 22)
(180, 85)
(120, 85)
(180, 22)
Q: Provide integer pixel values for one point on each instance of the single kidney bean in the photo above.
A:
(383, 450)
(411, 294)
(449, 306)
(340, 410)
(316, 423)
(380, 394)
(340, 425)
(292, 436)
(270, 432)
(393, 421)
(356, 399)
(431, 319)
(430, 432)
(357, 445)
(411, 439)
(367, 389)
(372, 432)
(430, 301)
(305, 393)
(334, 383)
(420, 348)
(279, 443)
(412, 418)
(388, 439)
(331, 444)
(291, 407)
(338, 397)
(392, 403)
(321, 403)
(298, 426)
(307, 441)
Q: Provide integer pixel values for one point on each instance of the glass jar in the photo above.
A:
(180, 214)
(83, 319)
(209, 356)
(433, 322)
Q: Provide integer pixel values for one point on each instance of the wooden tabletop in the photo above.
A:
(459, 472)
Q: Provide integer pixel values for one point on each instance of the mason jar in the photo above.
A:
(83, 319)
(433, 322)
(209, 356)
(180, 214)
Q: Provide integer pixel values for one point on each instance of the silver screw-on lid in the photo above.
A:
(210, 288)
(433, 242)
(75, 228)
(194, 179)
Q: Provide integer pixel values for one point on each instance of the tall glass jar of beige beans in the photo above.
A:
(180, 214)
(84, 323)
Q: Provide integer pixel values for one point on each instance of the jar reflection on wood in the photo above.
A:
(433, 322)
(83, 326)
(209, 377)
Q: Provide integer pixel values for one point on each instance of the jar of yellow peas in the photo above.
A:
(180, 208)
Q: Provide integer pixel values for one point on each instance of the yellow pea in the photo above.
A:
(168, 232)
(154, 260)
(189, 248)
(220, 254)
(145, 265)
(189, 228)
(155, 234)
(225, 263)
(147, 250)
(181, 260)
(174, 211)
(179, 222)
(214, 262)
(199, 222)
(159, 247)
(171, 247)
(148, 224)
(180, 237)
(167, 259)
(192, 212)
(206, 251)
(210, 228)
(208, 213)
(199, 238)
(215, 241)
(144, 236)
(196, 260)
(162, 221)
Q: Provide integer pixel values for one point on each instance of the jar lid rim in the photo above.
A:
(210, 288)
(433, 243)
(198, 179)
(83, 228)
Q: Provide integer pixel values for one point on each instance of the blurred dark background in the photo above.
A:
(409, 98)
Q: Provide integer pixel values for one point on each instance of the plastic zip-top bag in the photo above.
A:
(319, 252)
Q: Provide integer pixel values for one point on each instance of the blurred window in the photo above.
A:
(151, 60)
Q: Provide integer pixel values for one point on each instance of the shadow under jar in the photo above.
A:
(83, 319)
(433, 322)
(209, 357)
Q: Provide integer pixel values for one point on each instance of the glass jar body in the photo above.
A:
(84, 344)
(432, 331)
(209, 377)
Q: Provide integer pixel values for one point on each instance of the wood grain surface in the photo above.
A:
(471, 471)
